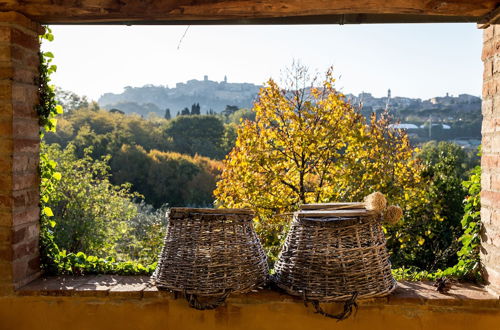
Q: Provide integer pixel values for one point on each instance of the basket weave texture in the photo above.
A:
(332, 255)
(210, 252)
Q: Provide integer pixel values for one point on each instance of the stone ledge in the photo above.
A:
(140, 287)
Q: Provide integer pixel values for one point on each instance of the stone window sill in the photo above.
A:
(139, 287)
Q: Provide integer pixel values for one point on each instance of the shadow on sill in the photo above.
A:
(140, 287)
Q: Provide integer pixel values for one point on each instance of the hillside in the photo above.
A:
(210, 95)
(215, 96)
(450, 118)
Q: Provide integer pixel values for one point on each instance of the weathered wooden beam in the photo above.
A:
(247, 11)
(291, 20)
(492, 17)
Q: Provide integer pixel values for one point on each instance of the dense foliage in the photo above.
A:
(203, 135)
(427, 237)
(91, 213)
(163, 159)
(93, 223)
(468, 265)
(178, 179)
(55, 260)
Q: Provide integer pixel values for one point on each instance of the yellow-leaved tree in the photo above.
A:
(308, 144)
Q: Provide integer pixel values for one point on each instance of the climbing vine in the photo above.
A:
(47, 107)
(469, 262)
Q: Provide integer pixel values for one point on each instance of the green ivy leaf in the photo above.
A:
(48, 211)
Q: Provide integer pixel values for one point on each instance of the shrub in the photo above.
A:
(427, 238)
(91, 214)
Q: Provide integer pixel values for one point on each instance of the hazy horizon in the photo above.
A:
(413, 60)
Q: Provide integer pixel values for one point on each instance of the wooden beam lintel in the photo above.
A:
(340, 19)
(492, 17)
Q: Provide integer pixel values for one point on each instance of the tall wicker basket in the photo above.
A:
(335, 255)
(210, 253)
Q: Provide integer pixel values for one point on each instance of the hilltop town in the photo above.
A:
(209, 94)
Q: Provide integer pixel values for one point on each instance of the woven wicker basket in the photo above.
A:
(335, 255)
(210, 253)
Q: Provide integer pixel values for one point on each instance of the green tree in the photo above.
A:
(70, 101)
(201, 135)
(230, 109)
(195, 109)
(131, 164)
(241, 115)
(229, 140)
(147, 231)
(168, 173)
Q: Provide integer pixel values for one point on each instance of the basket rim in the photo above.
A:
(191, 210)
(332, 206)
(333, 215)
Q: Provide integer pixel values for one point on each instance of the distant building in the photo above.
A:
(404, 126)
(443, 126)
(468, 143)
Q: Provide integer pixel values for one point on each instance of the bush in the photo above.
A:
(90, 226)
(91, 214)
(468, 264)
(427, 238)
(147, 229)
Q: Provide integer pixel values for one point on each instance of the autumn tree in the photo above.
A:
(308, 144)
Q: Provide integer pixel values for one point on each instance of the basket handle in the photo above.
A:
(193, 301)
(349, 305)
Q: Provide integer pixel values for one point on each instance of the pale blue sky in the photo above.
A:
(414, 60)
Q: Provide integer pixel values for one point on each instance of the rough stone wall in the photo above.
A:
(490, 161)
(19, 151)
